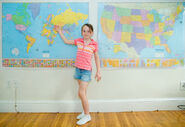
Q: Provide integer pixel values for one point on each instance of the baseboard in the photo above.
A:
(95, 105)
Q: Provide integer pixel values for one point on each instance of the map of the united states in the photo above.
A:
(137, 28)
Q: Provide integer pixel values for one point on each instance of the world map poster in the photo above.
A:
(141, 34)
(29, 38)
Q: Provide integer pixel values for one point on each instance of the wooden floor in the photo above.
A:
(121, 119)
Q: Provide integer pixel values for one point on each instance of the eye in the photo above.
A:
(84, 31)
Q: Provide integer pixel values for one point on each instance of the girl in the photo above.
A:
(86, 48)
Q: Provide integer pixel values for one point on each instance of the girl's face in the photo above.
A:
(86, 32)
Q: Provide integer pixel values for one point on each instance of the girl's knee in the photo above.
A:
(82, 90)
(81, 93)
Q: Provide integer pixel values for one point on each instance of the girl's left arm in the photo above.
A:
(97, 61)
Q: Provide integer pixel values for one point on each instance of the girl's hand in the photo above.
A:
(57, 28)
(98, 76)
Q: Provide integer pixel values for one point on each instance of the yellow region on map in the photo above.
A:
(68, 17)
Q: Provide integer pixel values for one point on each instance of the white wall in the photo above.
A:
(55, 90)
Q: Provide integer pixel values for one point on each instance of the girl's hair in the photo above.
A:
(88, 25)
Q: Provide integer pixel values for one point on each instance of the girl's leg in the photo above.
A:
(82, 93)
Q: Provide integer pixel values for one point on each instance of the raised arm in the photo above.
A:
(58, 29)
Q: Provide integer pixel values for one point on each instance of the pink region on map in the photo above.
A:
(116, 36)
(136, 23)
(156, 34)
(115, 16)
(8, 17)
(169, 22)
(21, 27)
(144, 14)
(148, 44)
(156, 26)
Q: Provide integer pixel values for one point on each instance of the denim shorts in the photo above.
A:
(83, 75)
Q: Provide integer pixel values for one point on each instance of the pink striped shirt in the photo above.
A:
(85, 53)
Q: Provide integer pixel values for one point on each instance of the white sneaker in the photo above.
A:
(84, 120)
(80, 116)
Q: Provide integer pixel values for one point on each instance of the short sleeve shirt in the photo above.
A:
(85, 53)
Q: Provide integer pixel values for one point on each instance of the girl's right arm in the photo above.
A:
(58, 29)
